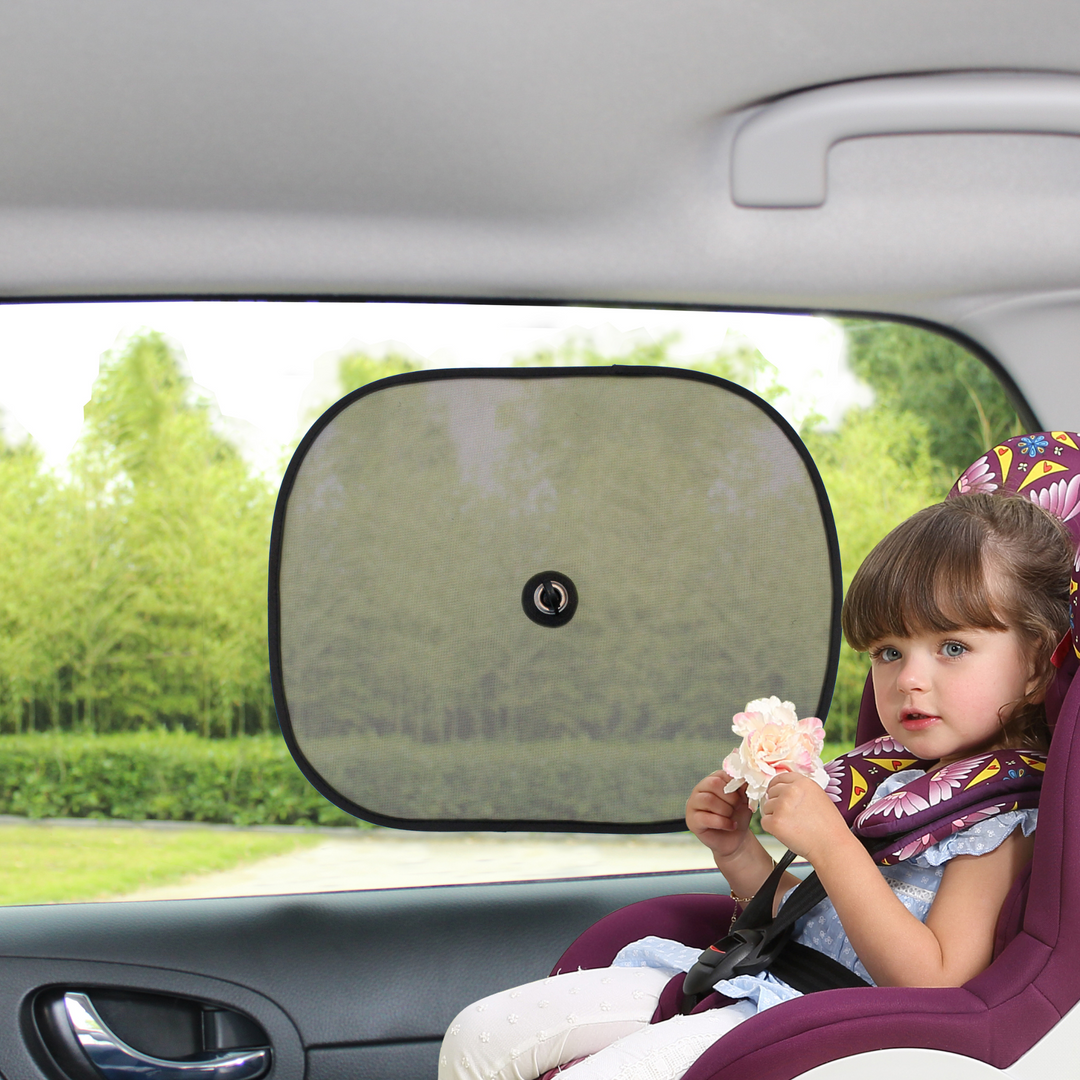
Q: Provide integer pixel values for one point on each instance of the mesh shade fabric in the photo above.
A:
(411, 686)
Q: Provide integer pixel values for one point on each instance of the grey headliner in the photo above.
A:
(564, 149)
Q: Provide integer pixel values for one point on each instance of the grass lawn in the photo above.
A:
(48, 864)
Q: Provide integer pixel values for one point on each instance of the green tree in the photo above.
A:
(936, 409)
(358, 367)
(737, 360)
(172, 532)
(878, 470)
(33, 597)
(954, 394)
(132, 590)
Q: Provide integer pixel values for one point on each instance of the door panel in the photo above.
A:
(348, 986)
(24, 980)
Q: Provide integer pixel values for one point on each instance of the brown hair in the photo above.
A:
(931, 574)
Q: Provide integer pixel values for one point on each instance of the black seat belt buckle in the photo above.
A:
(737, 954)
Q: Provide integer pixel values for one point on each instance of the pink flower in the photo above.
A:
(913, 848)
(946, 779)
(883, 744)
(977, 477)
(976, 815)
(768, 710)
(899, 804)
(774, 740)
(835, 772)
(1061, 499)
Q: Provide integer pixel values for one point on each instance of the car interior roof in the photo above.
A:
(559, 151)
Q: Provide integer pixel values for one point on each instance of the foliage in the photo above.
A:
(936, 409)
(159, 775)
(34, 509)
(134, 588)
(358, 367)
(51, 864)
(918, 373)
(182, 777)
(737, 360)
(877, 471)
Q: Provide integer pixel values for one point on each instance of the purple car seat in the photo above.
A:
(1034, 979)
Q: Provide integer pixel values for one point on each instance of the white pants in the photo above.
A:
(519, 1034)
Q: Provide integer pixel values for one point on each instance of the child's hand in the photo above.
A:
(800, 815)
(719, 819)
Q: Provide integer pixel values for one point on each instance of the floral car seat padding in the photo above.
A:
(933, 806)
(1044, 467)
(533, 598)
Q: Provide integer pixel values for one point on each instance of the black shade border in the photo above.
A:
(438, 375)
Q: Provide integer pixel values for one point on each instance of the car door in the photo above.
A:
(334, 984)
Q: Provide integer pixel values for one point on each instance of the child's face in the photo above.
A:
(942, 694)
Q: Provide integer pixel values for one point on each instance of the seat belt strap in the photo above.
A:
(757, 941)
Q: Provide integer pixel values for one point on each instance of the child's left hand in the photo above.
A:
(800, 815)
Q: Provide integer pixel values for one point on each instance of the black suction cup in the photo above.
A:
(549, 598)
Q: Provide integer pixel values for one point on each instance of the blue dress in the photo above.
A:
(915, 883)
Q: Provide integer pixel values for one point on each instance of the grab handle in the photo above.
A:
(779, 154)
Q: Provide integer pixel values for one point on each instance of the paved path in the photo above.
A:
(388, 860)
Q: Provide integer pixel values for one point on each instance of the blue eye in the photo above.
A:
(953, 649)
(886, 653)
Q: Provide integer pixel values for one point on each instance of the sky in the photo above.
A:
(271, 365)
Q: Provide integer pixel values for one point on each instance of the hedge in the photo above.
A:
(179, 776)
(171, 776)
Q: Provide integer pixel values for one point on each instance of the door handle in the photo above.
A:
(116, 1060)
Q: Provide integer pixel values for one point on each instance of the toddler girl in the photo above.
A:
(960, 608)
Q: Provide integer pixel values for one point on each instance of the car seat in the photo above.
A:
(1020, 1014)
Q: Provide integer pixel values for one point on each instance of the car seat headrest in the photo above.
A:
(1043, 466)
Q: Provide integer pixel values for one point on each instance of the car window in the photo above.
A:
(142, 446)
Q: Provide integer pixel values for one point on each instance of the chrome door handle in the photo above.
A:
(115, 1060)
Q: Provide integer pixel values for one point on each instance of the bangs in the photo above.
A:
(927, 575)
